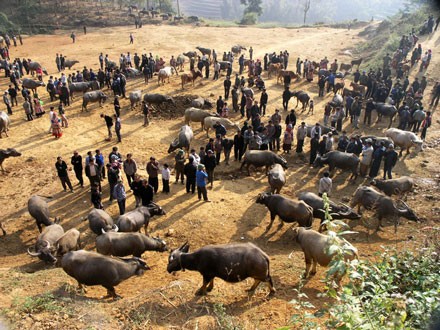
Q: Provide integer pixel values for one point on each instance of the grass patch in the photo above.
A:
(224, 320)
(45, 302)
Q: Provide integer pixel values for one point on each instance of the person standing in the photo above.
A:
(153, 173)
(238, 146)
(325, 184)
(73, 37)
(109, 124)
(146, 113)
(95, 198)
(85, 29)
(61, 167)
(130, 168)
(112, 177)
(288, 139)
(76, 161)
(286, 98)
(210, 164)
(190, 170)
(314, 146)
(13, 96)
(263, 102)
(179, 165)
(227, 86)
(131, 38)
(120, 195)
(27, 109)
(93, 173)
(136, 187)
(377, 160)
(390, 160)
(56, 127)
(117, 106)
(425, 125)
(166, 174)
(301, 134)
(201, 177)
(367, 156)
(118, 128)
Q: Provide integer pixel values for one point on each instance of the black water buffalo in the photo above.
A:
(70, 241)
(159, 99)
(230, 262)
(82, 87)
(45, 246)
(134, 220)
(338, 159)
(92, 97)
(385, 110)
(100, 221)
(70, 63)
(6, 153)
(337, 211)
(288, 210)
(237, 49)
(125, 244)
(39, 210)
(204, 51)
(183, 139)
(399, 186)
(324, 130)
(259, 158)
(302, 97)
(384, 206)
(201, 103)
(190, 54)
(32, 84)
(91, 268)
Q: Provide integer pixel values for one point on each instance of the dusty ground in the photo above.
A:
(158, 300)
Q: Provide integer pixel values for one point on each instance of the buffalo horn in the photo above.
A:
(404, 204)
(183, 246)
(47, 244)
(33, 254)
(116, 228)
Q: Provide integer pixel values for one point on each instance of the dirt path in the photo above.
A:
(158, 300)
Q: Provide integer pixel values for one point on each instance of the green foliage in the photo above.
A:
(249, 19)
(45, 302)
(5, 24)
(252, 11)
(224, 320)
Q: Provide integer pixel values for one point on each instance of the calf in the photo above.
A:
(125, 244)
(39, 210)
(70, 241)
(288, 210)
(190, 77)
(134, 220)
(230, 262)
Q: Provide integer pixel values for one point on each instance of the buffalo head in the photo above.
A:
(348, 213)
(141, 264)
(43, 251)
(280, 160)
(162, 245)
(173, 145)
(114, 228)
(407, 212)
(174, 262)
(318, 162)
(261, 199)
(155, 209)
(11, 152)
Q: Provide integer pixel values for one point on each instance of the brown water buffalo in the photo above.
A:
(190, 77)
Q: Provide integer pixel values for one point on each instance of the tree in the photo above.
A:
(306, 9)
(252, 11)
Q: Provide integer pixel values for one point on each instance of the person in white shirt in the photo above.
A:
(195, 156)
(51, 113)
(166, 173)
(316, 130)
(325, 184)
(367, 156)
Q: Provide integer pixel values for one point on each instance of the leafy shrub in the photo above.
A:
(249, 19)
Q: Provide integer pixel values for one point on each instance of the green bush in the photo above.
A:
(45, 302)
(249, 19)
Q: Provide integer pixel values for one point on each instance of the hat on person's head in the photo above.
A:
(180, 151)
(108, 165)
(210, 151)
(191, 158)
(369, 140)
(152, 158)
(200, 167)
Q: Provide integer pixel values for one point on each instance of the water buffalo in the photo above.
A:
(135, 97)
(190, 54)
(209, 122)
(404, 139)
(34, 66)
(111, 65)
(197, 115)
(6, 153)
(70, 63)
(286, 73)
(91, 268)
(39, 210)
(324, 130)
(399, 186)
(32, 84)
(165, 73)
(132, 72)
(224, 65)
(338, 159)
(277, 178)
(356, 62)
(70, 241)
(377, 140)
(46, 243)
(237, 49)
(315, 247)
(134, 220)
(230, 262)
(385, 110)
(345, 67)
(337, 211)
(383, 206)
(287, 210)
(125, 244)
(158, 99)
(201, 103)
(5, 122)
(259, 158)
(92, 97)
(183, 139)
(180, 62)
(302, 97)
(82, 87)
(204, 51)
(100, 221)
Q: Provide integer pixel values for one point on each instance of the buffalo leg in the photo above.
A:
(210, 286)
(313, 271)
(2, 228)
(272, 218)
(81, 288)
(111, 293)
(39, 227)
(202, 290)
(270, 285)
(308, 264)
(254, 286)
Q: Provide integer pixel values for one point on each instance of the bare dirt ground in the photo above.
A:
(158, 300)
